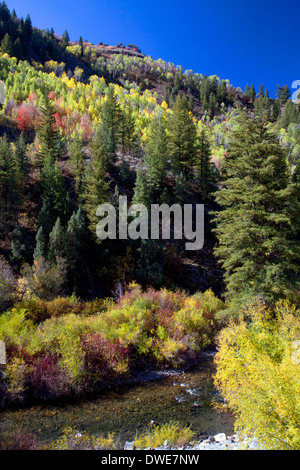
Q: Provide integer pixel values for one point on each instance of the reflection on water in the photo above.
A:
(185, 398)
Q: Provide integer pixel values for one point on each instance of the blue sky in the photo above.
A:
(243, 41)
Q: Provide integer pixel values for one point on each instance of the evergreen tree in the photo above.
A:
(21, 155)
(7, 46)
(283, 94)
(155, 158)
(56, 199)
(256, 246)
(77, 160)
(40, 246)
(222, 92)
(252, 93)
(45, 218)
(56, 242)
(141, 190)
(18, 51)
(18, 248)
(266, 105)
(50, 144)
(205, 170)
(28, 27)
(212, 105)
(182, 138)
(65, 40)
(95, 185)
(261, 93)
(180, 190)
(247, 92)
(111, 118)
(74, 239)
(81, 46)
(150, 264)
(289, 115)
(9, 196)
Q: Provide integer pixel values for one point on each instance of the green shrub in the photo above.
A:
(87, 342)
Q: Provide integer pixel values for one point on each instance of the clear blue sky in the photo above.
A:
(244, 41)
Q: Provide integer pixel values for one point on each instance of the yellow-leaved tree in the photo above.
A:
(258, 373)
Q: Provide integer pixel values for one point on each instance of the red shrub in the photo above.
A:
(47, 380)
(20, 441)
(52, 95)
(26, 117)
(101, 356)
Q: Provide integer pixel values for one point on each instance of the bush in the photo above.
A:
(20, 441)
(45, 280)
(258, 374)
(65, 345)
(103, 359)
(74, 440)
(47, 380)
(39, 310)
(155, 436)
(7, 285)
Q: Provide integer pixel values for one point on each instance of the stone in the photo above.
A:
(220, 437)
(129, 445)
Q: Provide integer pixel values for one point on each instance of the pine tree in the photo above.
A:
(21, 156)
(289, 115)
(256, 245)
(40, 246)
(28, 27)
(95, 185)
(50, 144)
(155, 158)
(7, 46)
(65, 40)
(77, 160)
(205, 170)
(9, 195)
(55, 197)
(283, 94)
(18, 51)
(180, 189)
(266, 105)
(247, 92)
(81, 46)
(141, 190)
(74, 238)
(56, 242)
(111, 118)
(261, 93)
(182, 138)
(252, 93)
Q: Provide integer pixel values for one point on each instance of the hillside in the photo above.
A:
(50, 79)
(94, 297)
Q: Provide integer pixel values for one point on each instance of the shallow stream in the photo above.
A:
(185, 397)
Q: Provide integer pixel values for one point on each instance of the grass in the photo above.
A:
(172, 432)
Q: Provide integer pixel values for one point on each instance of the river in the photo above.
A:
(185, 397)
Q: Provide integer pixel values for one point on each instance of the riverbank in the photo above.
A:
(185, 397)
(218, 442)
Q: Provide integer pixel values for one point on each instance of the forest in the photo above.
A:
(82, 125)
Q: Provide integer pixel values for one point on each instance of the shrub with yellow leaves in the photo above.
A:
(257, 374)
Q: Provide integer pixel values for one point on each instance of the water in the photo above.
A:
(185, 398)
